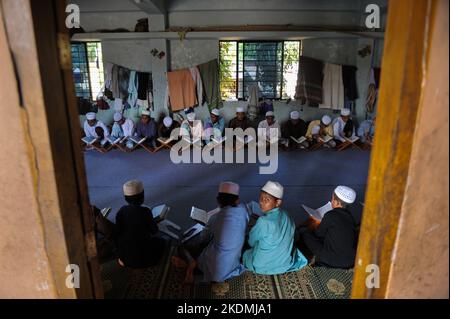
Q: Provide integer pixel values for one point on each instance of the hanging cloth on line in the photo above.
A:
(182, 89)
(209, 72)
(333, 87)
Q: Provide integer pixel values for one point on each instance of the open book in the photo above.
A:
(193, 141)
(137, 139)
(160, 211)
(164, 140)
(89, 140)
(319, 212)
(253, 209)
(247, 139)
(115, 141)
(191, 232)
(106, 211)
(299, 140)
(352, 139)
(201, 215)
(325, 139)
(219, 139)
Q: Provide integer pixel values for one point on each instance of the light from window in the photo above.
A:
(87, 67)
(272, 65)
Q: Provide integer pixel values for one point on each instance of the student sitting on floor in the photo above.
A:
(191, 128)
(146, 127)
(91, 123)
(333, 240)
(220, 260)
(240, 121)
(366, 130)
(135, 230)
(343, 127)
(122, 128)
(272, 238)
(296, 128)
(166, 127)
(102, 143)
(270, 127)
(214, 126)
(320, 129)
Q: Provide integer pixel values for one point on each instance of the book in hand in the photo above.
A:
(137, 139)
(299, 140)
(319, 212)
(254, 209)
(89, 140)
(165, 140)
(325, 138)
(352, 139)
(247, 139)
(202, 216)
(191, 232)
(106, 211)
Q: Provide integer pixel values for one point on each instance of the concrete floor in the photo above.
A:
(308, 177)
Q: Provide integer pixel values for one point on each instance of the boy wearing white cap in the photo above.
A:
(320, 129)
(214, 126)
(343, 127)
(270, 126)
(272, 238)
(296, 128)
(220, 259)
(137, 245)
(240, 121)
(146, 127)
(166, 127)
(122, 127)
(333, 240)
(192, 127)
(91, 123)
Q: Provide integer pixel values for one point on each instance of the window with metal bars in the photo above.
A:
(87, 68)
(271, 65)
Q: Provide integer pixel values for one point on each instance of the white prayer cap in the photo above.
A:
(345, 194)
(295, 115)
(191, 116)
(345, 112)
(270, 113)
(167, 121)
(133, 187)
(273, 188)
(326, 120)
(90, 116)
(145, 112)
(239, 110)
(229, 188)
(315, 130)
(216, 112)
(117, 117)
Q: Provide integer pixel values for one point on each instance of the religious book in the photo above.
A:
(325, 138)
(89, 140)
(191, 232)
(299, 140)
(115, 141)
(319, 212)
(160, 211)
(194, 141)
(137, 139)
(247, 139)
(106, 211)
(165, 140)
(352, 139)
(219, 140)
(201, 215)
(254, 209)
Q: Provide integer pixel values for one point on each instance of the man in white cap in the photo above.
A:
(146, 127)
(214, 126)
(270, 126)
(123, 128)
(91, 123)
(137, 245)
(272, 238)
(333, 240)
(192, 128)
(166, 127)
(321, 130)
(294, 128)
(366, 130)
(219, 255)
(343, 127)
(240, 121)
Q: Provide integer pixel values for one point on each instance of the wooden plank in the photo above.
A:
(399, 97)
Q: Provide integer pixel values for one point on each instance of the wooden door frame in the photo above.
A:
(404, 65)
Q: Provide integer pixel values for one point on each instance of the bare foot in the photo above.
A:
(178, 262)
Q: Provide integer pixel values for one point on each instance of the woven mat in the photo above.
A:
(166, 282)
